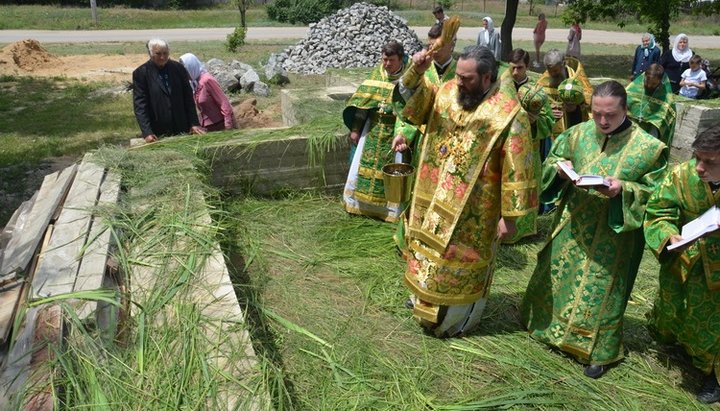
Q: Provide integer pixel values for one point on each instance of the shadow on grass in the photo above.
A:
(261, 335)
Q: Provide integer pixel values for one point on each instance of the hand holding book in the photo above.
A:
(581, 180)
(708, 222)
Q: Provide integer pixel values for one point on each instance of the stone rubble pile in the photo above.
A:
(236, 76)
(352, 37)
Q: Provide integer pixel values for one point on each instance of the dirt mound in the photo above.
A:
(247, 115)
(27, 55)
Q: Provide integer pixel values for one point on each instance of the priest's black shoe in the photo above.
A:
(710, 391)
(595, 371)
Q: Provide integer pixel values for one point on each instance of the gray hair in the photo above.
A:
(157, 43)
(553, 57)
(484, 58)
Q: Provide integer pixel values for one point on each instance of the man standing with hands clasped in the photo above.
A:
(162, 96)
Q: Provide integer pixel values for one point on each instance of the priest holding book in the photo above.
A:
(687, 307)
(577, 295)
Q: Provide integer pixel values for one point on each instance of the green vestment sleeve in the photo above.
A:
(662, 218)
(628, 209)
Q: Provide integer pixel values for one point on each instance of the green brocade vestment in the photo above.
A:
(654, 113)
(575, 70)
(687, 307)
(576, 297)
(371, 111)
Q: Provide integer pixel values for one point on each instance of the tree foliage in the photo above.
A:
(657, 13)
(302, 11)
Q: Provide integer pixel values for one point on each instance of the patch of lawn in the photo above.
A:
(328, 289)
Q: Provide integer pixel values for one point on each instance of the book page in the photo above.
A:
(709, 221)
(588, 181)
(572, 175)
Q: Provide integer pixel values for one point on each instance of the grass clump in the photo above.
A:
(326, 293)
(171, 350)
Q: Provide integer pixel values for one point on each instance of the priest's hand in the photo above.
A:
(421, 61)
(614, 189)
(560, 171)
(354, 136)
(506, 228)
(399, 144)
(677, 238)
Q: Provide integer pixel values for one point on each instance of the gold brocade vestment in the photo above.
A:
(475, 167)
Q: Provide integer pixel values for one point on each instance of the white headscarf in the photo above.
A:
(194, 67)
(651, 43)
(681, 56)
(490, 29)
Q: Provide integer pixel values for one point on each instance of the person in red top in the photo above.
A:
(214, 107)
(539, 37)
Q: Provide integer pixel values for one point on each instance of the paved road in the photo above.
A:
(270, 33)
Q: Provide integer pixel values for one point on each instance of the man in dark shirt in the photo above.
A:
(162, 95)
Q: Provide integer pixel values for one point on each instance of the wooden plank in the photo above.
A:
(92, 266)
(9, 297)
(20, 248)
(48, 331)
(15, 369)
(57, 272)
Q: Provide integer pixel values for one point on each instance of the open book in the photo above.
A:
(708, 222)
(584, 180)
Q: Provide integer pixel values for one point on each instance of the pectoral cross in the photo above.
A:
(713, 248)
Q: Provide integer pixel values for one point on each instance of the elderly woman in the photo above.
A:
(215, 110)
(677, 60)
(490, 38)
(645, 55)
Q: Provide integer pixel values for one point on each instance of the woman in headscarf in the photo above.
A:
(490, 38)
(677, 60)
(574, 37)
(645, 55)
(213, 105)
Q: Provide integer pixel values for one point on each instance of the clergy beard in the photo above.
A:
(469, 100)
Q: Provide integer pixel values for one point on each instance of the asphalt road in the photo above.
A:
(270, 33)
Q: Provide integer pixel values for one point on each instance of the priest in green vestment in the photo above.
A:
(370, 116)
(651, 103)
(577, 295)
(475, 177)
(534, 101)
(687, 307)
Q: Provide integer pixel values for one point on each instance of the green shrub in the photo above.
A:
(302, 11)
(236, 39)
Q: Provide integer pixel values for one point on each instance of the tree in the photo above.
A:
(242, 7)
(658, 13)
(511, 8)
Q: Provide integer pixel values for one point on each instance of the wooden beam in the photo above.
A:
(92, 266)
(22, 246)
(58, 269)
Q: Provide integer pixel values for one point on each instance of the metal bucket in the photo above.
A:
(397, 179)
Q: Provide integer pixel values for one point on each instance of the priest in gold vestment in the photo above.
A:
(475, 177)
(577, 295)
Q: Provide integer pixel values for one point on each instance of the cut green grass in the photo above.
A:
(330, 288)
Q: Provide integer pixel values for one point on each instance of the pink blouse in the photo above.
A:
(212, 103)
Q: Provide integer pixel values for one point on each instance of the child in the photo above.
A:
(692, 80)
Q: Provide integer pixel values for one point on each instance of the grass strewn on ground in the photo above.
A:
(327, 290)
(416, 13)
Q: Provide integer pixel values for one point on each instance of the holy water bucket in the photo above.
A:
(397, 179)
